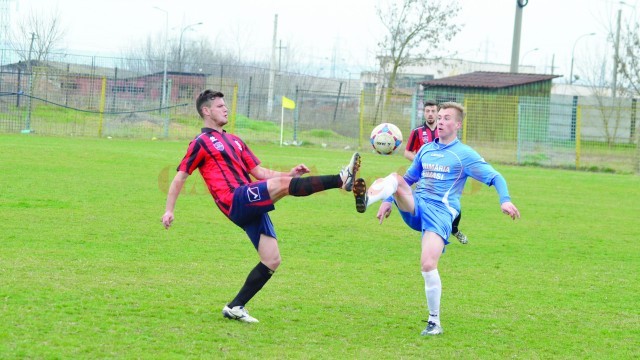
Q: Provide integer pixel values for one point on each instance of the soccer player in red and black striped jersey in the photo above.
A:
(226, 164)
(424, 134)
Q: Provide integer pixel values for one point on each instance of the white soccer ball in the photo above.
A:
(386, 138)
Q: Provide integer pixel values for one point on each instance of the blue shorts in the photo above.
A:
(429, 216)
(249, 210)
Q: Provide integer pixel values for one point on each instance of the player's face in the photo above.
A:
(216, 111)
(430, 114)
(448, 124)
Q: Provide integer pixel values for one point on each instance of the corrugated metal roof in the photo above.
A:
(492, 80)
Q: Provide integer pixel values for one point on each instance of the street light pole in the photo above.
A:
(572, 55)
(164, 72)
(180, 43)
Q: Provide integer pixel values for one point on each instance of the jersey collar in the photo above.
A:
(208, 130)
(442, 146)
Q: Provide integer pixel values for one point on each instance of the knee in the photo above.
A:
(272, 262)
(278, 187)
(428, 264)
(400, 181)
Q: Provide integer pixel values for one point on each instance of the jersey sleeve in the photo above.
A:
(411, 142)
(501, 187)
(193, 158)
(248, 157)
(476, 168)
(413, 173)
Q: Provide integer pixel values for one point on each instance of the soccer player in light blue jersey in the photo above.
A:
(439, 170)
(424, 134)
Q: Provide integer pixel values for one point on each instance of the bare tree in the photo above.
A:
(195, 55)
(38, 36)
(628, 60)
(201, 53)
(146, 56)
(627, 67)
(605, 109)
(415, 29)
(242, 39)
(292, 59)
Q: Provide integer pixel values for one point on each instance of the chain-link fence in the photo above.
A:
(107, 97)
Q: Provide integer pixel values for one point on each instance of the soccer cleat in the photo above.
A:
(238, 313)
(432, 329)
(360, 193)
(348, 173)
(461, 237)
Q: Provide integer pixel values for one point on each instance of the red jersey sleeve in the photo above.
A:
(193, 158)
(413, 144)
(248, 157)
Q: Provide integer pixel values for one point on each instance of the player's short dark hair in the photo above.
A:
(205, 97)
(430, 103)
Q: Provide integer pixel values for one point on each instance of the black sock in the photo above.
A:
(312, 184)
(255, 281)
(456, 222)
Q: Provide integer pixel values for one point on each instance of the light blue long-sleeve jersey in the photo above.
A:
(441, 172)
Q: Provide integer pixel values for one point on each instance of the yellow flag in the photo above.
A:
(288, 103)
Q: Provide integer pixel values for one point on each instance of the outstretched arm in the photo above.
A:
(299, 171)
(506, 205)
(172, 197)
(261, 173)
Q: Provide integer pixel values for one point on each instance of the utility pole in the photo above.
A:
(164, 71)
(515, 48)
(280, 47)
(27, 124)
(272, 70)
(614, 82)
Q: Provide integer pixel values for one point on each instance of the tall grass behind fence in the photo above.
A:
(106, 97)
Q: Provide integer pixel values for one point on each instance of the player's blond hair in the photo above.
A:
(454, 105)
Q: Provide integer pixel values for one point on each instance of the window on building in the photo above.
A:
(128, 88)
(186, 91)
(369, 86)
(69, 85)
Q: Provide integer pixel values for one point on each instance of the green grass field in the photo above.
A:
(87, 271)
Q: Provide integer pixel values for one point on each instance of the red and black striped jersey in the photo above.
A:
(420, 136)
(224, 161)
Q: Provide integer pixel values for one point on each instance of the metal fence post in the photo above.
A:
(166, 109)
(19, 87)
(335, 110)
(574, 111)
(632, 128)
(295, 118)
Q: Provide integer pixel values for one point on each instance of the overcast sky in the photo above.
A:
(348, 27)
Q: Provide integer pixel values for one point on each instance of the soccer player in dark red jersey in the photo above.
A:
(226, 163)
(424, 134)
